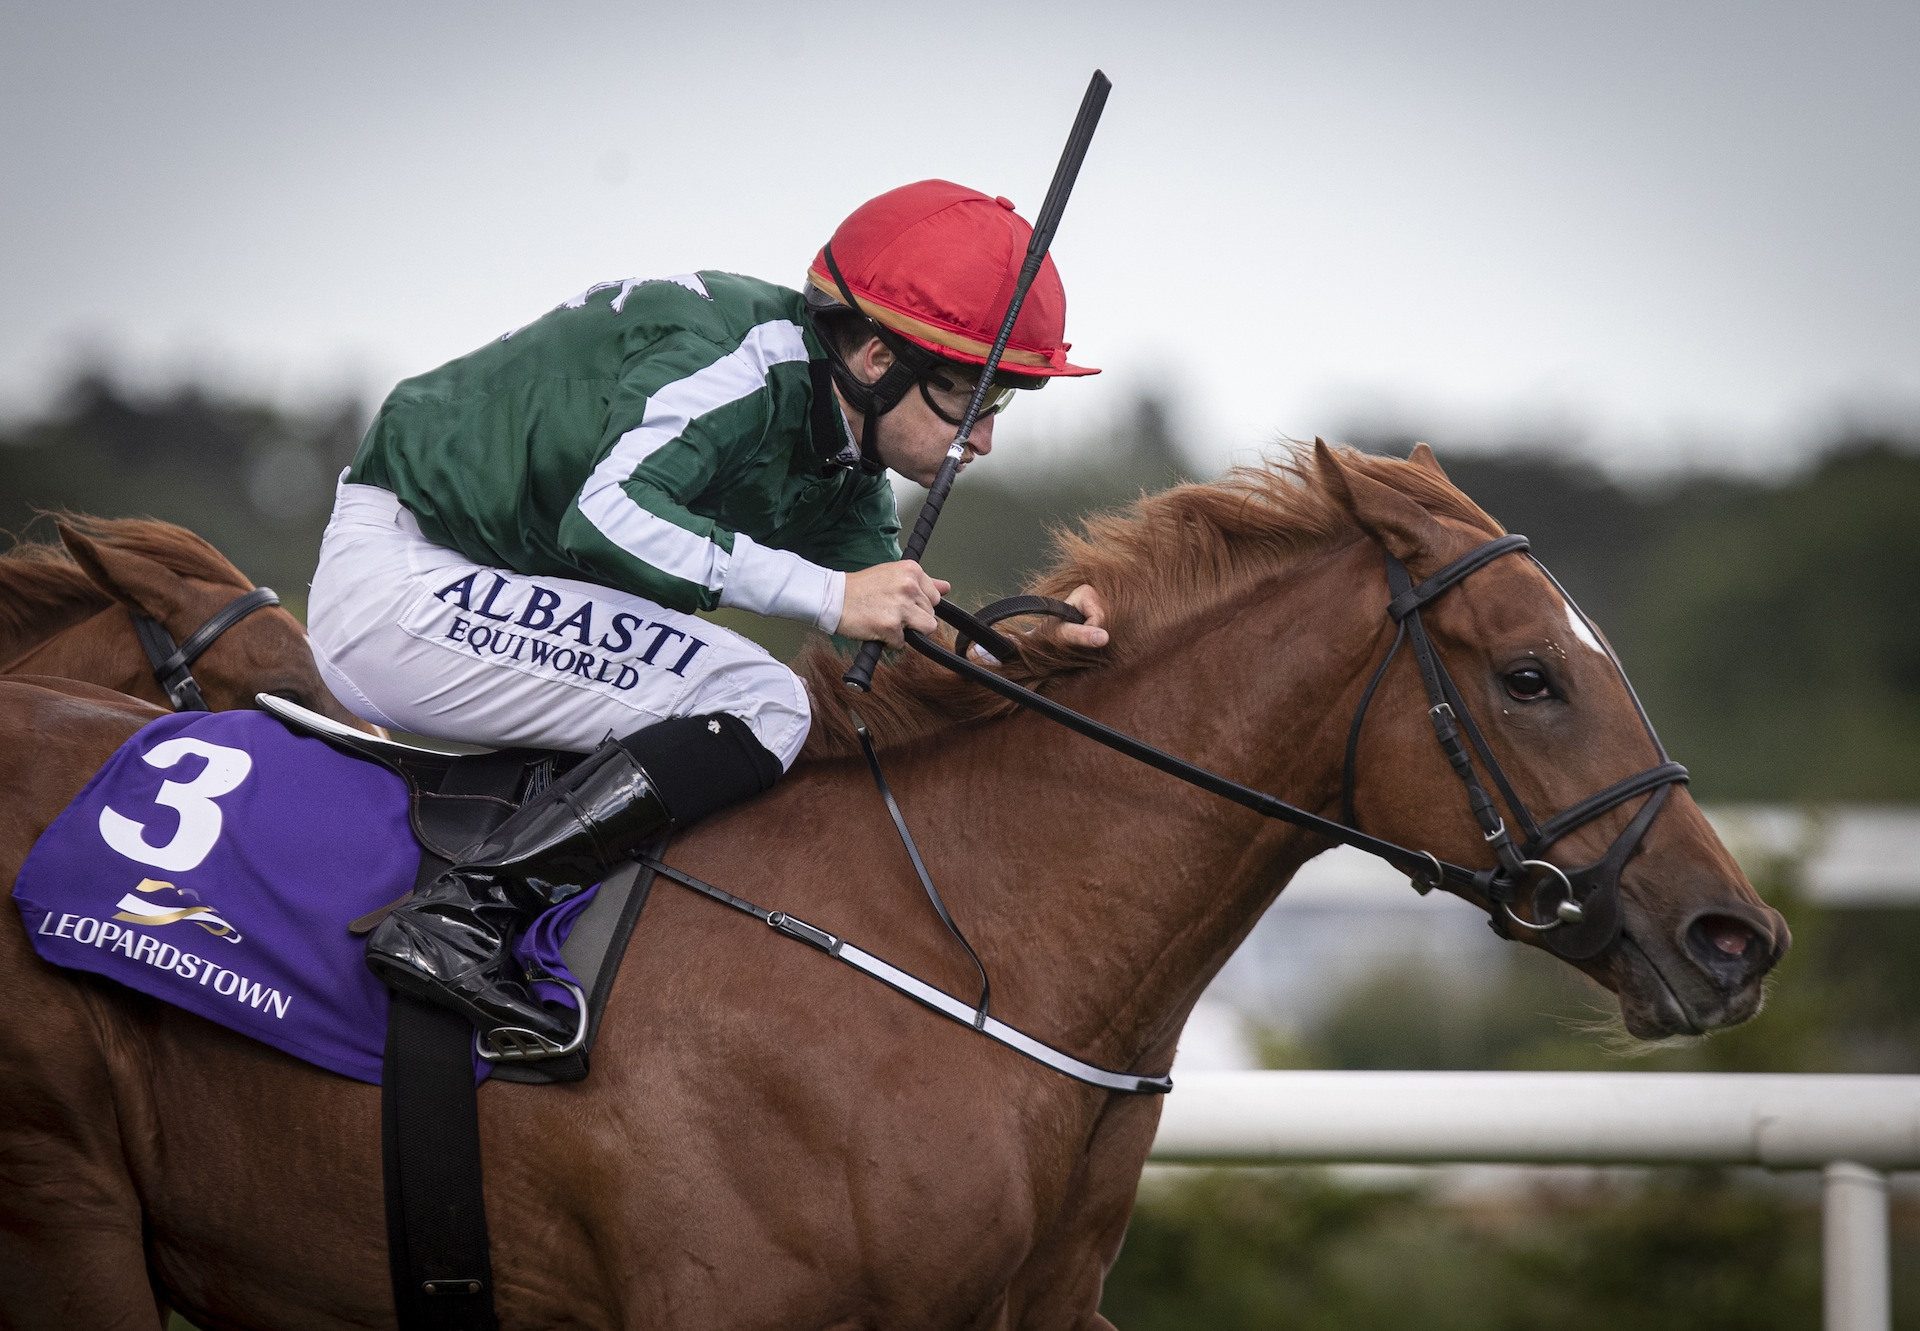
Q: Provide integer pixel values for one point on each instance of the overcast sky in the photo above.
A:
(1676, 231)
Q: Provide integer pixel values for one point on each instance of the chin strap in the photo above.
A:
(876, 399)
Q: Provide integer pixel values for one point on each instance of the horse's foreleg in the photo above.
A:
(72, 1251)
(1060, 1283)
(62, 1277)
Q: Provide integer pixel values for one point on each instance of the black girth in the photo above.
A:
(170, 659)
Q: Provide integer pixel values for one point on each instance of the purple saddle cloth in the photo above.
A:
(215, 863)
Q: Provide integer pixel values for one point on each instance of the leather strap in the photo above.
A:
(1416, 864)
(1594, 805)
(170, 662)
(919, 990)
(437, 1248)
(977, 627)
(1443, 710)
(1408, 599)
(919, 864)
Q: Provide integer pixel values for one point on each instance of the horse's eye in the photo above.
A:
(1528, 684)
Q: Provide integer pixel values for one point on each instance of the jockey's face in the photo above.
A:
(912, 438)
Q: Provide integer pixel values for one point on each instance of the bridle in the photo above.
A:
(1577, 914)
(170, 659)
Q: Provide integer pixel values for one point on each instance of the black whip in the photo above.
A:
(861, 675)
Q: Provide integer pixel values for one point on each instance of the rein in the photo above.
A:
(170, 660)
(1584, 903)
(1588, 904)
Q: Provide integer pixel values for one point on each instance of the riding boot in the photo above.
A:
(449, 943)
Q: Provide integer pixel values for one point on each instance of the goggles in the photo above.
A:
(947, 396)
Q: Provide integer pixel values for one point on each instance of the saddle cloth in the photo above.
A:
(214, 863)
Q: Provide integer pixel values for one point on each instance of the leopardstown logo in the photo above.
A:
(167, 904)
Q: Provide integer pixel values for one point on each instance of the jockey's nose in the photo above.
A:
(982, 437)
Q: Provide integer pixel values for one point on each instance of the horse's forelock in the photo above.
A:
(1157, 562)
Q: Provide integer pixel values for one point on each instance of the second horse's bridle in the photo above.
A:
(170, 660)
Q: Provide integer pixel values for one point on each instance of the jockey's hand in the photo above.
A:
(1093, 633)
(884, 601)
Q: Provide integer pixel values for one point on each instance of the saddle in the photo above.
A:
(457, 795)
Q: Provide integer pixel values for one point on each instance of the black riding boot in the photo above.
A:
(448, 943)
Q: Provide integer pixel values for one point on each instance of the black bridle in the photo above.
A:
(1582, 908)
(170, 659)
(1577, 914)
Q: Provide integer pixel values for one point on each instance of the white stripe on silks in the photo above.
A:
(691, 281)
(769, 581)
(649, 538)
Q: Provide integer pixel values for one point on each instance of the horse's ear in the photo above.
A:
(1422, 457)
(1399, 523)
(135, 581)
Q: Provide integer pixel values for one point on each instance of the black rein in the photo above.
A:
(1577, 914)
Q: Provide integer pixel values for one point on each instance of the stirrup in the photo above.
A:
(517, 1044)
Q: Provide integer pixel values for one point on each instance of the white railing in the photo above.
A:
(1855, 1129)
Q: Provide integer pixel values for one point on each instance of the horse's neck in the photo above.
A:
(1110, 893)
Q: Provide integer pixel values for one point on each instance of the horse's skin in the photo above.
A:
(768, 1139)
(175, 578)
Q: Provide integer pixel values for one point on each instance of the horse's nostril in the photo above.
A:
(1731, 949)
(1727, 936)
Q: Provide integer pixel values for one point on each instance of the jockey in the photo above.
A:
(519, 551)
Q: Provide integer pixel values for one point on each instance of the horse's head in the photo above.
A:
(181, 583)
(1561, 725)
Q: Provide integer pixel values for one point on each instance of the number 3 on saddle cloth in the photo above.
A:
(215, 863)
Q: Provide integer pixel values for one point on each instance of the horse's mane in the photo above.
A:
(42, 589)
(1161, 560)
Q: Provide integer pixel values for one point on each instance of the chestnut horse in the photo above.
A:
(68, 610)
(771, 1140)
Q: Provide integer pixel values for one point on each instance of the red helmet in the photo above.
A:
(935, 263)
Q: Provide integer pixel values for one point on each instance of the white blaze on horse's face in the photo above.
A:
(1580, 629)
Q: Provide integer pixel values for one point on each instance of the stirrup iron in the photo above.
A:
(517, 1044)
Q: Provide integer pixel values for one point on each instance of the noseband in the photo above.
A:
(170, 659)
(1577, 914)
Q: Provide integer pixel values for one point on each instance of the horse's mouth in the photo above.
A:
(1662, 995)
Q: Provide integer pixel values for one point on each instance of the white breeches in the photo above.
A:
(410, 635)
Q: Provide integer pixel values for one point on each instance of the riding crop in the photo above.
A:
(860, 677)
